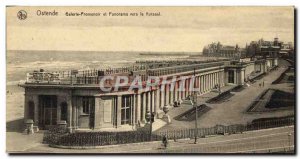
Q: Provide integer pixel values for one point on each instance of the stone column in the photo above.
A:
(144, 106)
(199, 84)
(152, 100)
(157, 100)
(210, 81)
(171, 95)
(176, 91)
(187, 87)
(167, 89)
(179, 91)
(133, 110)
(162, 96)
(119, 105)
(138, 107)
(221, 78)
(206, 83)
(183, 88)
(69, 118)
(148, 101)
(217, 78)
(202, 84)
(213, 80)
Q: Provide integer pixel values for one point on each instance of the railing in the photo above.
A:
(112, 138)
(179, 69)
(93, 76)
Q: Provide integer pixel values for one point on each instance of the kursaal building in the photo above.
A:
(76, 96)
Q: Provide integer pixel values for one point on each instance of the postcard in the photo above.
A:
(140, 80)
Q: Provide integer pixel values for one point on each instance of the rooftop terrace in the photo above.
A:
(142, 68)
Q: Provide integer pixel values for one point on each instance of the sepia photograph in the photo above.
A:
(150, 80)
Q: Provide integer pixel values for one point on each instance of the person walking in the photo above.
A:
(165, 141)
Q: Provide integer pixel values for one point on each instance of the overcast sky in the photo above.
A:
(186, 29)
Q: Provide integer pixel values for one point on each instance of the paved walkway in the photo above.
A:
(233, 111)
(19, 142)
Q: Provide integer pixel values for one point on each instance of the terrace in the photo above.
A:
(141, 68)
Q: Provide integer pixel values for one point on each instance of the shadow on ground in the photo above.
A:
(15, 125)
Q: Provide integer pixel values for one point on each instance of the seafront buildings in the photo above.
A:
(219, 50)
(78, 97)
(260, 48)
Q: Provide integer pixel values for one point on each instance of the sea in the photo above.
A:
(19, 62)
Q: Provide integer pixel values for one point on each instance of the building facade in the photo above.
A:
(265, 48)
(74, 96)
(219, 50)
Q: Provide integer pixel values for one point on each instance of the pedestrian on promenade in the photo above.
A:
(165, 141)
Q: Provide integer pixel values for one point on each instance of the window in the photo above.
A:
(87, 103)
(126, 110)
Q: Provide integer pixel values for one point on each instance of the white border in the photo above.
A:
(4, 3)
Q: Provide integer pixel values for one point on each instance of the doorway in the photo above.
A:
(47, 111)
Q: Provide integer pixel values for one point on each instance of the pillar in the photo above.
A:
(210, 81)
(119, 105)
(215, 79)
(179, 91)
(69, 118)
(144, 106)
(176, 91)
(199, 83)
(167, 90)
(162, 96)
(152, 100)
(202, 84)
(148, 100)
(133, 112)
(187, 87)
(157, 100)
(207, 82)
(138, 107)
(171, 94)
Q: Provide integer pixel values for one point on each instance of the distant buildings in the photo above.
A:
(260, 48)
(217, 49)
(269, 48)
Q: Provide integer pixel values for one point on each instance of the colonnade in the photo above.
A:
(168, 94)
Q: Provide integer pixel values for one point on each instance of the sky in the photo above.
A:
(177, 29)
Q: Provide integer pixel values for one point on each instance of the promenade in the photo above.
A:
(233, 110)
